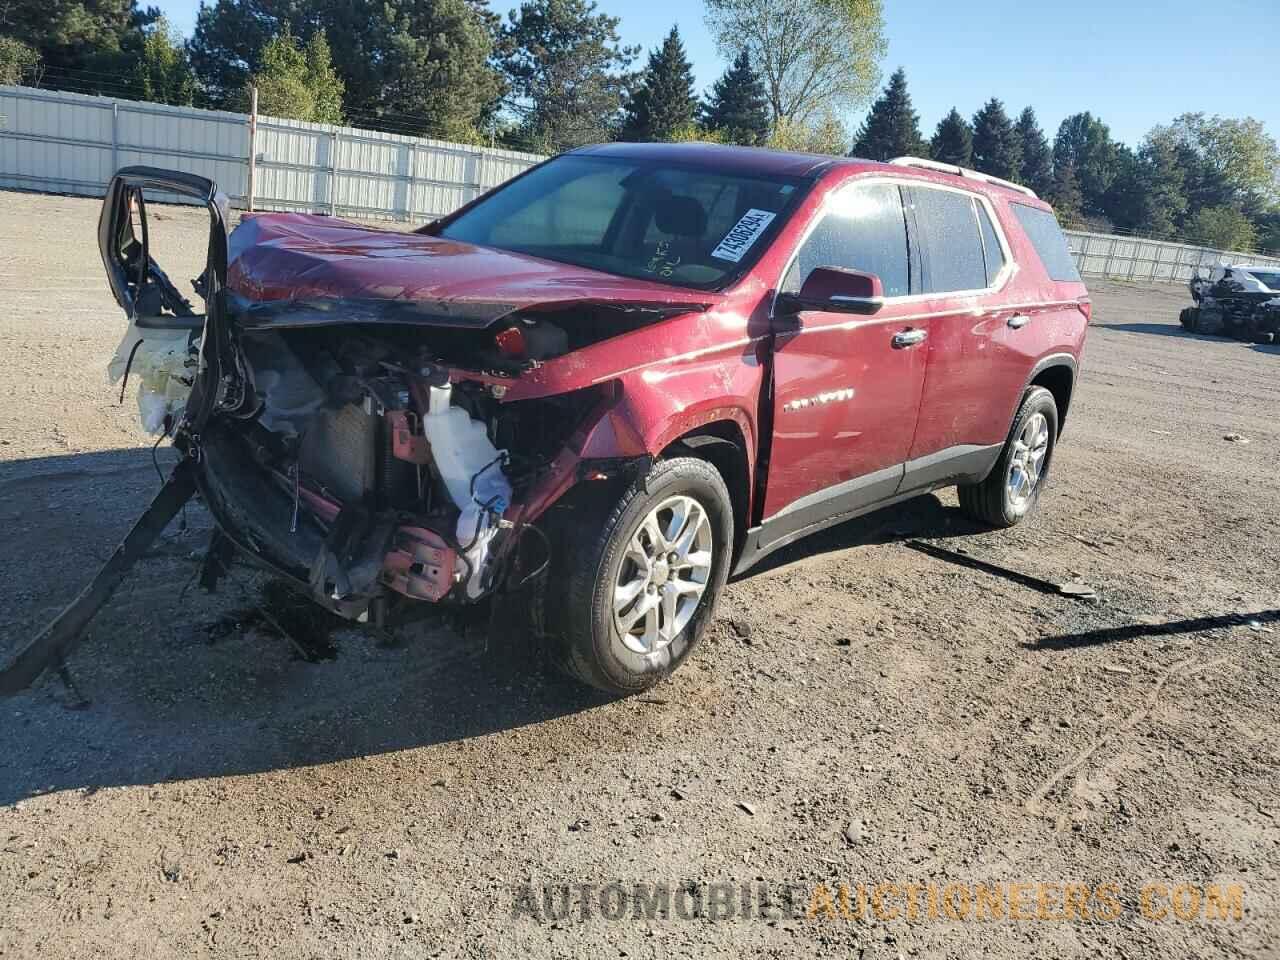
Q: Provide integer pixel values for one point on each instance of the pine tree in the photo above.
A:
(1067, 200)
(953, 140)
(738, 109)
(664, 102)
(995, 143)
(1036, 169)
(892, 128)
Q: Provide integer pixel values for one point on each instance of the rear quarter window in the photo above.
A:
(948, 232)
(1041, 228)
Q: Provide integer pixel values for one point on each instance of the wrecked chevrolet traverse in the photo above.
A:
(600, 387)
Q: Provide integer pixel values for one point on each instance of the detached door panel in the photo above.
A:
(845, 394)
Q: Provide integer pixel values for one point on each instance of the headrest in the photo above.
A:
(680, 216)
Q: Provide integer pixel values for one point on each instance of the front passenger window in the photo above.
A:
(863, 230)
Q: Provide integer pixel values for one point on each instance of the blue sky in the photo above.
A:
(1134, 64)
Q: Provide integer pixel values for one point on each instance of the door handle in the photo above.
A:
(1018, 321)
(908, 338)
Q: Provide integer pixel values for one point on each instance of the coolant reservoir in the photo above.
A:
(469, 465)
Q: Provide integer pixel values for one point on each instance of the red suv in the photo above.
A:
(608, 383)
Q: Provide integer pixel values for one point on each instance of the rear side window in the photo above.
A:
(1045, 235)
(991, 249)
(864, 230)
(948, 233)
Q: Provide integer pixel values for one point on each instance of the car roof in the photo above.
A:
(812, 166)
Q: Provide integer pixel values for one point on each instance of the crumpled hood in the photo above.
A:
(301, 257)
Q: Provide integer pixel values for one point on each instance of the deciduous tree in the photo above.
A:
(19, 62)
(299, 82)
(1224, 228)
(814, 55)
(163, 73)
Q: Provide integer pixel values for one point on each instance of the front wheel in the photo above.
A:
(1012, 488)
(642, 581)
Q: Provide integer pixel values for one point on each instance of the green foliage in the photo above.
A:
(953, 140)
(1084, 142)
(163, 73)
(738, 111)
(1225, 160)
(1036, 158)
(892, 128)
(815, 55)
(413, 66)
(693, 133)
(566, 69)
(1065, 195)
(85, 45)
(19, 62)
(825, 134)
(664, 101)
(1224, 228)
(298, 82)
(1147, 193)
(996, 149)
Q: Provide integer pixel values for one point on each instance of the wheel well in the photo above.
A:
(723, 445)
(1058, 380)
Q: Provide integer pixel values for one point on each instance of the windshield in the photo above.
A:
(634, 218)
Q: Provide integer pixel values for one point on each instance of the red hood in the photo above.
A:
(292, 256)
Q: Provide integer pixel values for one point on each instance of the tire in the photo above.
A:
(598, 558)
(992, 502)
(1189, 318)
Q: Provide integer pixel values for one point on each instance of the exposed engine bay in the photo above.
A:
(353, 461)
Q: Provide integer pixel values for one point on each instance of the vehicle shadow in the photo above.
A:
(1104, 635)
(922, 516)
(171, 698)
(1162, 330)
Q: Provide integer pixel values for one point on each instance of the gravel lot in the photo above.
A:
(861, 712)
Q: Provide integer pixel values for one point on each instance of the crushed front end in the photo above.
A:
(362, 463)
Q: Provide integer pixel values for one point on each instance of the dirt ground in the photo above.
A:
(861, 712)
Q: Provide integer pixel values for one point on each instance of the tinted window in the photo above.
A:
(644, 219)
(948, 234)
(990, 244)
(864, 230)
(1045, 235)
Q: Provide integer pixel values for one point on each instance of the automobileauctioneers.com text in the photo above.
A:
(838, 901)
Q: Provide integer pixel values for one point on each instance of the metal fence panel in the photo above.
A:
(71, 143)
(1136, 258)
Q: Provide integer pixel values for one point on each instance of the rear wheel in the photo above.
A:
(641, 576)
(1013, 487)
(1188, 318)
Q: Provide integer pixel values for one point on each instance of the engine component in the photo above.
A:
(420, 565)
(471, 468)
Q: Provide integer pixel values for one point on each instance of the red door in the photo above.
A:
(846, 386)
(846, 396)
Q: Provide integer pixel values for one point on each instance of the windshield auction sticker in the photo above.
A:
(744, 233)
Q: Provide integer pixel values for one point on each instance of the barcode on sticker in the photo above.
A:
(743, 234)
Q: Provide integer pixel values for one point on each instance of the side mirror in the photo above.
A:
(837, 290)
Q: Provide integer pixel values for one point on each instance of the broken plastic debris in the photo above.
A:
(163, 364)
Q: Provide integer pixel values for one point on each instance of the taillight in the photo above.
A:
(1086, 308)
(511, 342)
